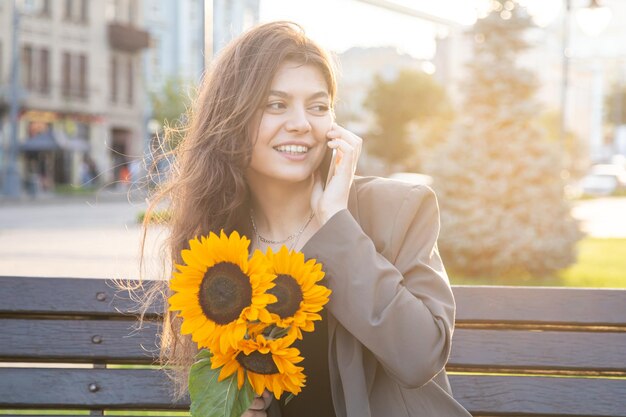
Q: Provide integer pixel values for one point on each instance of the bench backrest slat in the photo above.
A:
(117, 341)
(102, 341)
(539, 305)
(126, 389)
(77, 296)
(538, 350)
(550, 396)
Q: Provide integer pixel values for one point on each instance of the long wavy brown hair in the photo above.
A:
(206, 189)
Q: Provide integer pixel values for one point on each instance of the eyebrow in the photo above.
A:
(319, 94)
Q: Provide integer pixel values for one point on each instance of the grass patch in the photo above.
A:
(158, 216)
(146, 413)
(601, 264)
(87, 412)
(44, 412)
(69, 189)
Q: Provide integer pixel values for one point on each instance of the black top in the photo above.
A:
(315, 399)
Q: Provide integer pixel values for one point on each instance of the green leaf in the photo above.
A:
(289, 398)
(210, 398)
(244, 398)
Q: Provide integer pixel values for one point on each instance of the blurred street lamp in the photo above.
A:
(12, 182)
(594, 18)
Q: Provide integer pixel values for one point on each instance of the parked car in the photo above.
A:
(613, 170)
(603, 179)
(599, 184)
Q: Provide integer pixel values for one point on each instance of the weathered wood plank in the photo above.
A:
(148, 389)
(28, 295)
(129, 389)
(118, 342)
(541, 305)
(545, 396)
(91, 341)
(474, 304)
(538, 350)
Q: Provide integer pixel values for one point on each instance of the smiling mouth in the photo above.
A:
(292, 149)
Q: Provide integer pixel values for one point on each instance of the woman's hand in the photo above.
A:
(259, 405)
(327, 202)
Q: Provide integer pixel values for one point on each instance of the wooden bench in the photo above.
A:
(518, 351)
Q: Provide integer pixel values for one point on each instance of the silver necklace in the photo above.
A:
(278, 242)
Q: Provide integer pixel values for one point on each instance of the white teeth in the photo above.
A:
(292, 149)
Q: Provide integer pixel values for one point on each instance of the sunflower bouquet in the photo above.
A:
(244, 312)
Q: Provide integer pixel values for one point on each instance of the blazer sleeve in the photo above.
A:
(401, 309)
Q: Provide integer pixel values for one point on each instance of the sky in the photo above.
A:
(341, 24)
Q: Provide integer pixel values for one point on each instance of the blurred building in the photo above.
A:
(176, 40)
(83, 90)
(358, 67)
(232, 17)
(184, 36)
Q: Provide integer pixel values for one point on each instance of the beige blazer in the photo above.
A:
(392, 309)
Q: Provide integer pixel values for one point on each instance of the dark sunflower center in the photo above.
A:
(224, 292)
(257, 362)
(289, 295)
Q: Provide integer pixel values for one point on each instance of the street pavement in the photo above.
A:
(93, 237)
(99, 236)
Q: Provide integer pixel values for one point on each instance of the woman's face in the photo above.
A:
(292, 125)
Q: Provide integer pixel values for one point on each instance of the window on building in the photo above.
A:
(113, 11)
(44, 71)
(84, 11)
(114, 79)
(35, 69)
(46, 8)
(38, 8)
(69, 8)
(26, 69)
(82, 76)
(75, 76)
(156, 9)
(83, 131)
(132, 12)
(66, 74)
(155, 51)
(130, 85)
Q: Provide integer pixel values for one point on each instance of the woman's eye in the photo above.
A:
(276, 106)
(320, 108)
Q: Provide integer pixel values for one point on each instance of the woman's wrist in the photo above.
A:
(325, 215)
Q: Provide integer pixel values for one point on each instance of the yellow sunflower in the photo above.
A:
(299, 297)
(267, 363)
(219, 290)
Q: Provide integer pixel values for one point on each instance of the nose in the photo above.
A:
(298, 122)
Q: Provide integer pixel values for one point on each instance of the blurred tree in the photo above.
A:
(401, 105)
(576, 152)
(498, 179)
(169, 106)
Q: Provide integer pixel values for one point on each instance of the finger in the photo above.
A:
(318, 189)
(346, 162)
(267, 397)
(258, 404)
(341, 132)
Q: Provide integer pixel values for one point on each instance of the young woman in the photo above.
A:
(251, 161)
